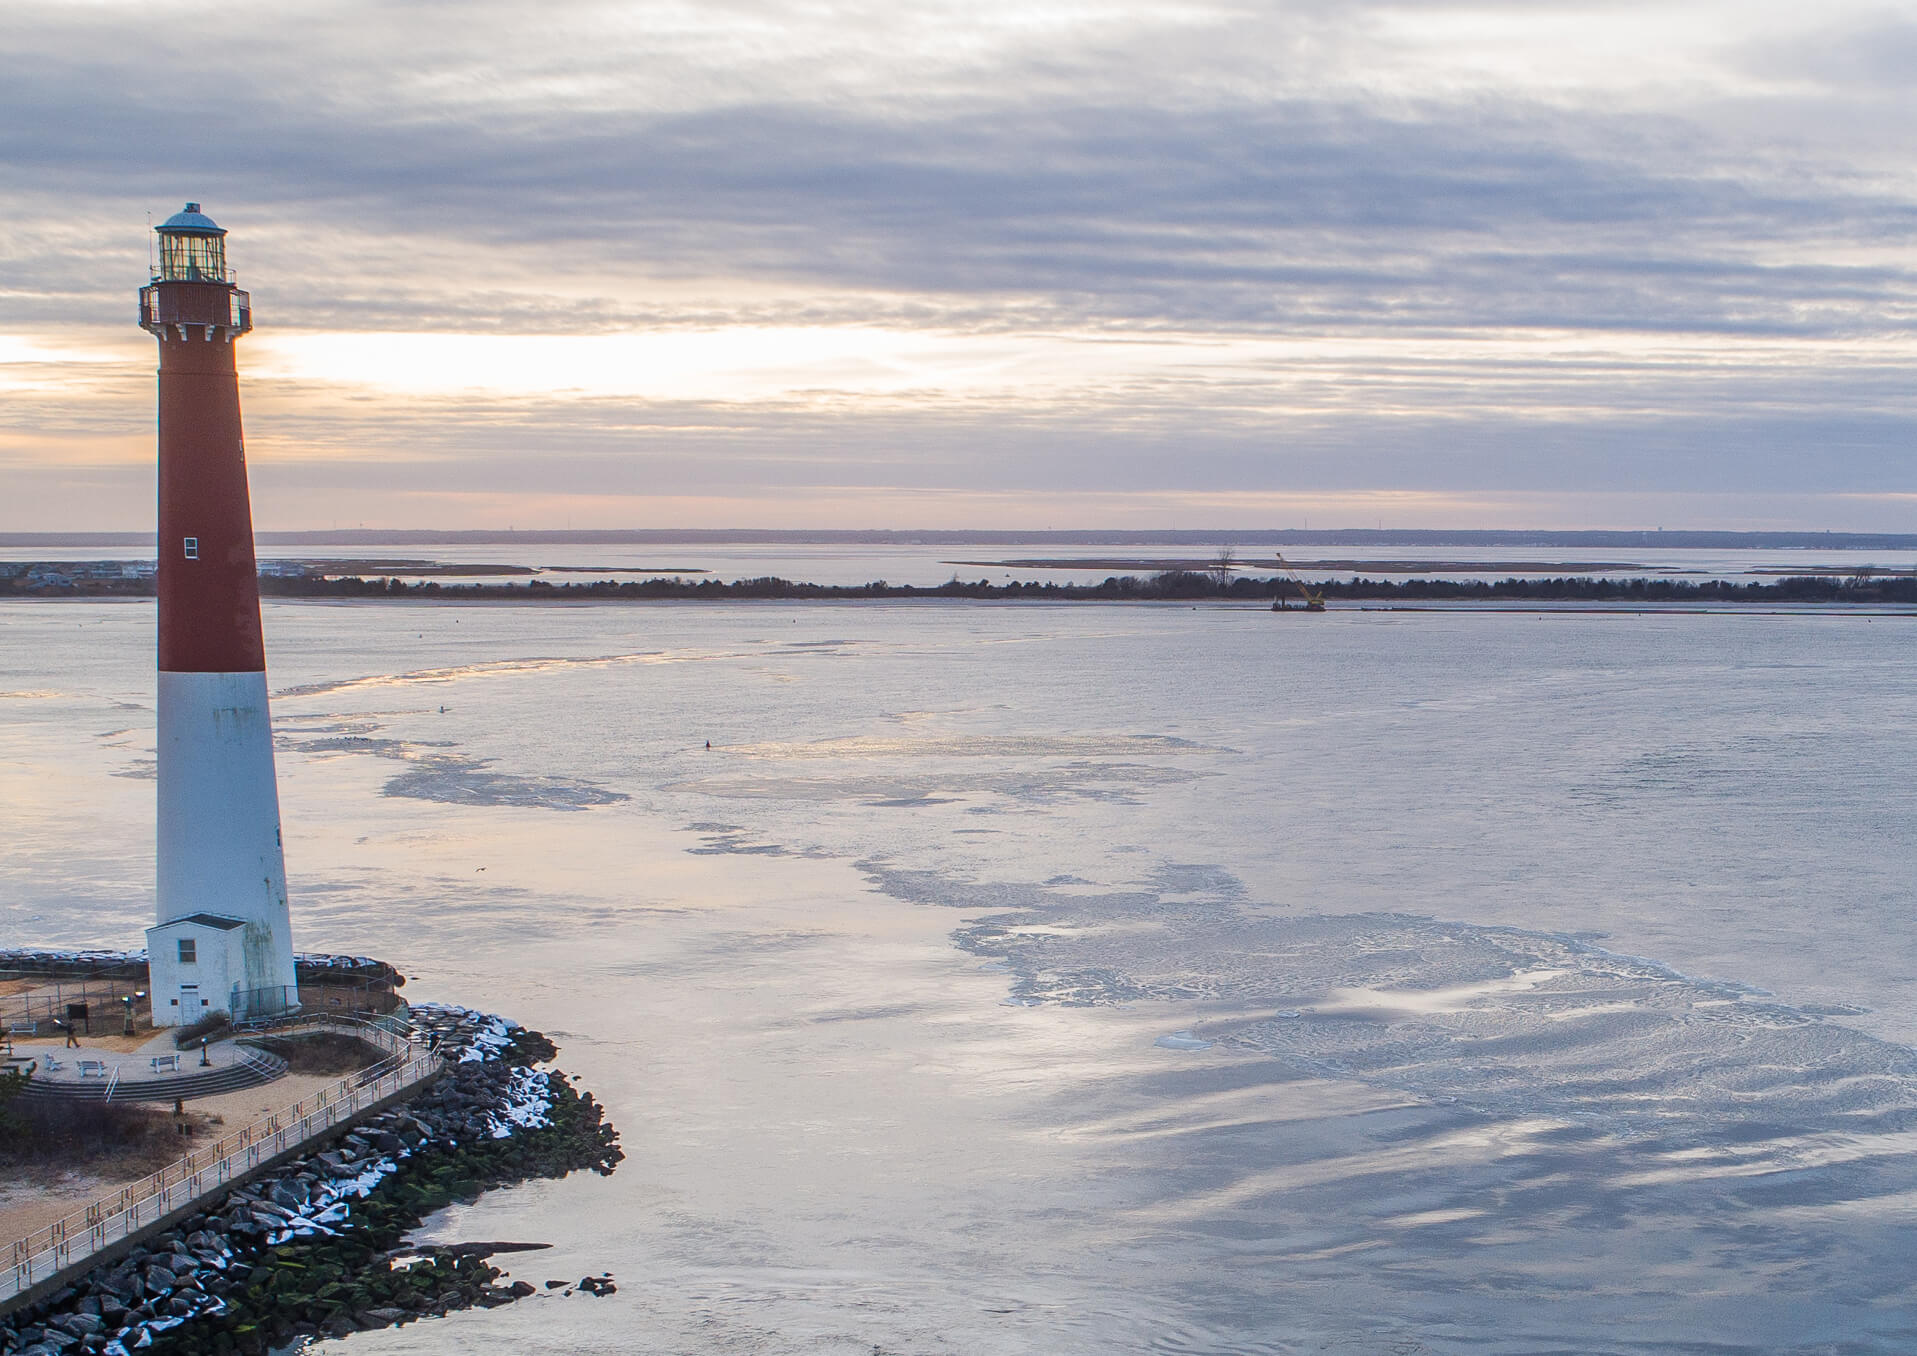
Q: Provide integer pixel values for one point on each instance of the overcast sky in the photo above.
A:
(892, 263)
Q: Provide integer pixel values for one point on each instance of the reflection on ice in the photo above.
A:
(1502, 1021)
(495, 668)
(435, 773)
(1414, 1001)
(1182, 1040)
(980, 746)
(1537, 1103)
(1276, 1020)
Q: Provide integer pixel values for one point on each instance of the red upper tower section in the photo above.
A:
(208, 578)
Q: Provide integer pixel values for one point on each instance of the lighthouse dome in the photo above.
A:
(190, 222)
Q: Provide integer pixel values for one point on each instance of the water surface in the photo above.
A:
(1083, 979)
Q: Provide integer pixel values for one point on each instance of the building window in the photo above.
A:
(188, 951)
(192, 548)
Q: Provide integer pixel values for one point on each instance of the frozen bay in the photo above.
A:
(1061, 979)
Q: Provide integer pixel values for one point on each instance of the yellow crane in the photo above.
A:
(1314, 602)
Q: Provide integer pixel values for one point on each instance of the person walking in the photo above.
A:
(73, 1041)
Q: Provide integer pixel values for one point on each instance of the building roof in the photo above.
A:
(205, 920)
(190, 222)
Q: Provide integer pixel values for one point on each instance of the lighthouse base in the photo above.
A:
(219, 849)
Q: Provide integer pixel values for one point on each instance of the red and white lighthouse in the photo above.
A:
(224, 940)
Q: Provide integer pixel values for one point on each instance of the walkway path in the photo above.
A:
(54, 1255)
(156, 1072)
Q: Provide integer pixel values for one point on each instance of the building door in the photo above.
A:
(190, 1006)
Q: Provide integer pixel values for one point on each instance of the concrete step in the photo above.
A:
(250, 1071)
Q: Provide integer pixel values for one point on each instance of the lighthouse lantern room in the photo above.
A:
(192, 248)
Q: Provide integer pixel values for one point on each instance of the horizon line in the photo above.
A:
(1668, 538)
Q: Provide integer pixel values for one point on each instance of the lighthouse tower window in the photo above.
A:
(192, 548)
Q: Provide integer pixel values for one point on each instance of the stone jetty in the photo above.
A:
(311, 1247)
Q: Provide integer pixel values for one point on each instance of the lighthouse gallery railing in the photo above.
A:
(179, 1184)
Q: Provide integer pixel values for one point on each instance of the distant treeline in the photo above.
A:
(1174, 585)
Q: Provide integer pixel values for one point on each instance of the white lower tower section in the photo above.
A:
(219, 849)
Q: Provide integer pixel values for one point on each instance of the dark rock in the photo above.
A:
(487, 1249)
(322, 1276)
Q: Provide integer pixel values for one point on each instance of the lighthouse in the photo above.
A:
(223, 941)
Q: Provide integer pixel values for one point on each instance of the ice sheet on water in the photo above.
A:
(1182, 1040)
(1565, 776)
(1047, 745)
(467, 781)
(454, 673)
(1501, 1021)
(433, 772)
(1046, 784)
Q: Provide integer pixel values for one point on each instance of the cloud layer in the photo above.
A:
(723, 251)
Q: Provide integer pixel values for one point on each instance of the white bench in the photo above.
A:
(160, 1062)
(23, 1028)
(91, 1068)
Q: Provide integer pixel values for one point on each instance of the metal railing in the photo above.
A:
(262, 1005)
(255, 1009)
(102, 997)
(110, 1219)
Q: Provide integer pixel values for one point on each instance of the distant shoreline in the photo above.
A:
(1899, 589)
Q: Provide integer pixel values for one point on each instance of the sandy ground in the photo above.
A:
(235, 1109)
(28, 1204)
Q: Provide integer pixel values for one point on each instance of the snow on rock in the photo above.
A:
(483, 1094)
(528, 1099)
